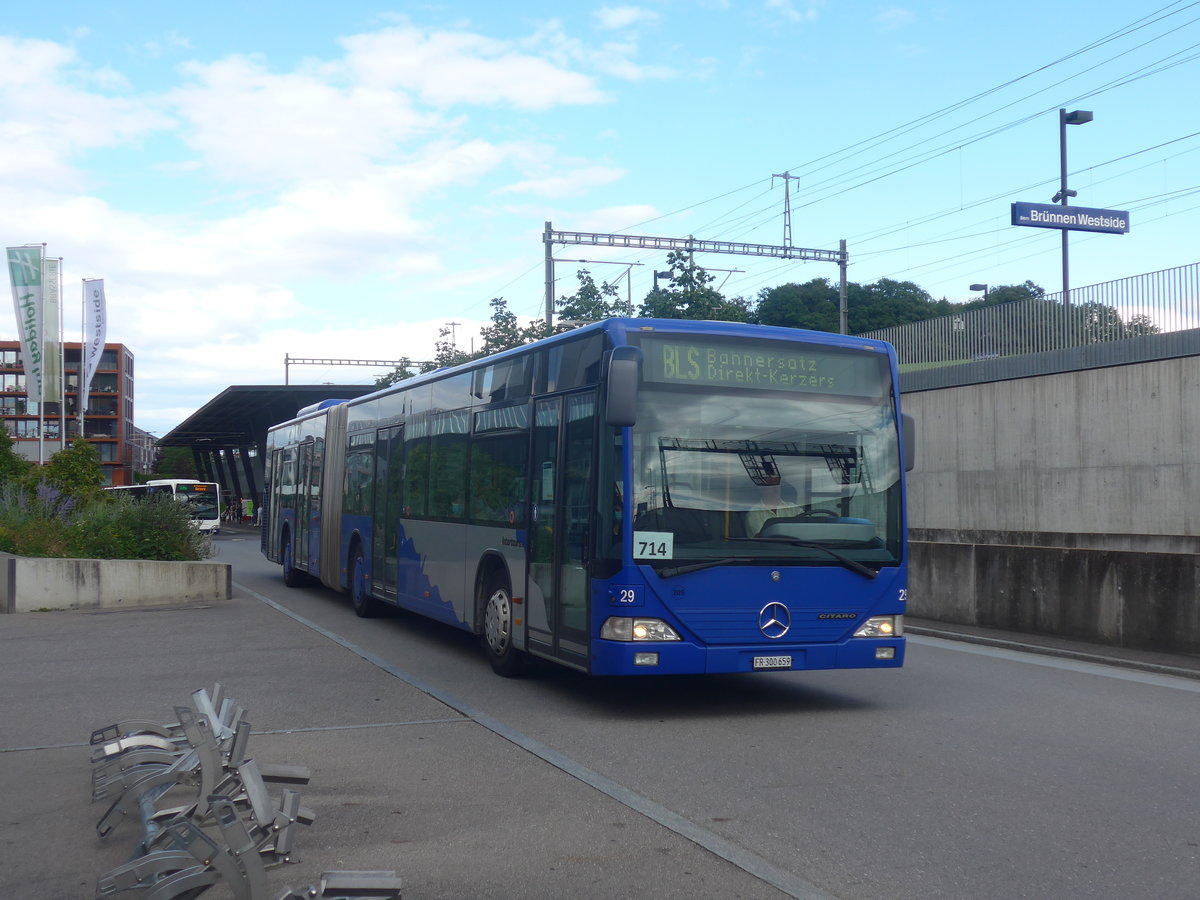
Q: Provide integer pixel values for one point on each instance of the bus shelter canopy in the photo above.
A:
(233, 427)
(240, 415)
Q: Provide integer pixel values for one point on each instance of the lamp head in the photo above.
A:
(1078, 117)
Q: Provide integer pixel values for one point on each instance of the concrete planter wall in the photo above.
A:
(35, 583)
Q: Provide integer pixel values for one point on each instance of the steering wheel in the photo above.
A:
(819, 514)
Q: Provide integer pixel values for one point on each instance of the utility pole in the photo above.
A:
(549, 246)
(843, 292)
(787, 205)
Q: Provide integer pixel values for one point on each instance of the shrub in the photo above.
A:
(48, 523)
(117, 527)
(74, 470)
(34, 523)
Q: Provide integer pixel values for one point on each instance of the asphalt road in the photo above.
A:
(974, 771)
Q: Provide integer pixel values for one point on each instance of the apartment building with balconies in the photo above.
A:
(107, 422)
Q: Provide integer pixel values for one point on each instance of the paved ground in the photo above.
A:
(399, 780)
(395, 779)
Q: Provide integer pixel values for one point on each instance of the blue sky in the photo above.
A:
(343, 180)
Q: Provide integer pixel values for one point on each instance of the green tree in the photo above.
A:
(592, 302)
(445, 352)
(690, 295)
(1141, 325)
(506, 331)
(1008, 293)
(1097, 323)
(176, 462)
(402, 372)
(14, 468)
(75, 470)
(886, 303)
(812, 305)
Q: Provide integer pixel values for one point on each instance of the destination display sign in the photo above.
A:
(768, 365)
(1070, 218)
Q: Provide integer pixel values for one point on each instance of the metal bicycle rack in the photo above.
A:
(205, 809)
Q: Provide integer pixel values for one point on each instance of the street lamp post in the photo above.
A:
(988, 343)
(1075, 117)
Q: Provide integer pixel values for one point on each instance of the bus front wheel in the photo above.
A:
(506, 659)
(364, 604)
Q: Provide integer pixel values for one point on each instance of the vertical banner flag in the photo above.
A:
(52, 387)
(25, 273)
(95, 330)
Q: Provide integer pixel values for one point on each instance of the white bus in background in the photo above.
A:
(203, 499)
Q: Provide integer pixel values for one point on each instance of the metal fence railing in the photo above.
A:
(1154, 303)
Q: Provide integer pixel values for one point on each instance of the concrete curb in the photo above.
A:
(1100, 657)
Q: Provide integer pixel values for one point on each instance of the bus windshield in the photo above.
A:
(202, 500)
(779, 474)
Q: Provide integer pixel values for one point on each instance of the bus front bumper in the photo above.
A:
(684, 658)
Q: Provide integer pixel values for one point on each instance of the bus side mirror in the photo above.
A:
(623, 366)
(908, 427)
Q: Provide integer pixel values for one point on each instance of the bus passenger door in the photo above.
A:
(304, 478)
(560, 530)
(389, 483)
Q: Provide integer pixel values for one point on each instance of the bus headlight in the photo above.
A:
(881, 627)
(619, 628)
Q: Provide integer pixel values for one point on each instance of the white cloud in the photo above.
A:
(460, 68)
(789, 11)
(612, 218)
(167, 374)
(172, 40)
(46, 120)
(250, 123)
(614, 58)
(893, 17)
(316, 194)
(611, 18)
(566, 184)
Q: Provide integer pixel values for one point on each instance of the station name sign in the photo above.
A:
(1070, 218)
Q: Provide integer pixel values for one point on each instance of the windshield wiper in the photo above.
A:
(672, 571)
(853, 564)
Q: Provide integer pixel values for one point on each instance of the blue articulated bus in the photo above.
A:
(633, 497)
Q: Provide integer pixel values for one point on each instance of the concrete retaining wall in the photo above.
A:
(1101, 452)
(1064, 504)
(1127, 599)
(28, 583)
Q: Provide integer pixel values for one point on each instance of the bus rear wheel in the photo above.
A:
(292, 576)
(365, 606)
(506, 659)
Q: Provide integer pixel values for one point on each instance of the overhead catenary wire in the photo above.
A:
(744, 217)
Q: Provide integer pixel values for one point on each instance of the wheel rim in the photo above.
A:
(497, 621)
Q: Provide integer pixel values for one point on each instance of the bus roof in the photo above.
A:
(618, 329)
